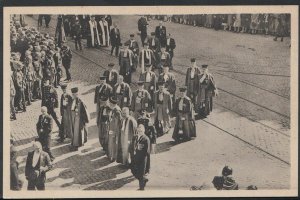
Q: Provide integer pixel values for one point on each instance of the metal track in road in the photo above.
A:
(258, 74)
(231, 134)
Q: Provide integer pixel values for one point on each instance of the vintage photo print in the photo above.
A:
(150, 101)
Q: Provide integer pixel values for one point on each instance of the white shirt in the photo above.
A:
(166, 77)
(73, 104)
(35, 159)
(168, 41)
(131, 43)
(192, 72)
(153, 42)
(180, 104)
(125, 53)
(110, 76)
(118, 89)
(163, 56)
(148, 77)
(161, 96)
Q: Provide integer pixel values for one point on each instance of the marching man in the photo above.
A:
(122, 92)
(192, 80)
(126, 57)
(111, 75)
(149, 79)
(93, 39)
(104, 32)
(147, 57)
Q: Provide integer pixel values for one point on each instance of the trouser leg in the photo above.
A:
(54, 116)
(31, 185)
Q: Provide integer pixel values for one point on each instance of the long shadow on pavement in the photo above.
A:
(165, 146)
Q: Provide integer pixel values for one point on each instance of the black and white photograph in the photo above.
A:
(150, 101)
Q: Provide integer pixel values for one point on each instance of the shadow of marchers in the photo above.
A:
(112, 184)
(165, 146)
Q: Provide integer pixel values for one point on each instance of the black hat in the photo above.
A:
(143, 111)
(113, 100)
(92, 16)
(111, 64)
(74, 90)
(166, 65)
(193, 59)
(182, 89)
(140, 82)
(148, 65)
(104, 98)
(152, 33)
(102, 78)
(204, 66)
(63, 86)
(227, 171)
(160, 83)
(131, 35)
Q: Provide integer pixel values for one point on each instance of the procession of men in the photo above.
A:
(130, 116)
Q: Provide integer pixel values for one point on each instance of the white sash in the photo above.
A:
(92, 32)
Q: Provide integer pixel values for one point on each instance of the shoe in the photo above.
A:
(52, 158)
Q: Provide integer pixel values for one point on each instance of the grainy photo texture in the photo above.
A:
(144, 102)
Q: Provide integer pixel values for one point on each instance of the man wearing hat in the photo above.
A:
(185, 123)
(154, 45)
(207, 89)
(37, 86)
(122, 92)
(142, 26)
(192, 80)
(49, 67)
(164, 59)
(103, 120)
(147, 57)
(169, 79)
(115, 126)
(160, 33)
(60, 35)
(66, 55)
(104, 32)
(12, 97)
(65, 111)
(20, 86)
(93, 39)
(141, 99)
(134, 47)
(50, 100)
(111, 75)
(77, 34)
(102, 90)
(80, 117)
(115, 39)
(149, 79)
(126, 58)
(162, 108)
(58, 66)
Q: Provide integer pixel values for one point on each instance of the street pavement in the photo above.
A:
(248, 131)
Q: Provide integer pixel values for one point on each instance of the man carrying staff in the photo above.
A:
(111, 75)
(207, 89)
(129, 125)
(93, 39)
(80, 117)
(65, 111)
(162, 108)
(115, 126)
(101, 91)
(126, 58)
(140, 156)
(185, 123)
(141, 99)
(149, 79)
(192, 80)
(122, 92)
(104, 32)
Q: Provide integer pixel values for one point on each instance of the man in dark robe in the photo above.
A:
(115, 39)
(80, 117)
(141, 99)
(77, 34)
(65, 111)
(142, 27)
(101, 91)
(66, 55)
(128, 129)
(126, 58)
(134, 47)
(170, 46)
(185, 127)
(44, 130)
(192, 80)
(103, 123)
(147, 57)
(206, 90)
(164, 59)
(160, 33)
(162, 108)
(141, 156)
(154, 45)
(92, 35)
(20, 85)
(122, 92)
(60, 31)
(111, 75)
(115, 126)
(149, 79)
(15, 182)
(104, 32)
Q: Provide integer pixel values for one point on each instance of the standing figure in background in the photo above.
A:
(47, 20)
(164, 59)
(66, 55)
(115, 39)
(80, 117)
(170, 46)
(192, 80)
(161, 34)
(141, 100)
(134, 47)
(60, 35)
(237, 23)
(126, 58)
(154, 45)
(142, 27)
(77, 34)
(149, 79)
(103, 123)
(122, 93)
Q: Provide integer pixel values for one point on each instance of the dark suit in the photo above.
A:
(161, 34)
(170, 49)
(142, 26)
(115, 40)
(44, 130)
(141, 158)
(77, 34)
(114, 77)
(36, 178)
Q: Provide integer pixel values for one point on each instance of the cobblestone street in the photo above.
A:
(250, 121)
